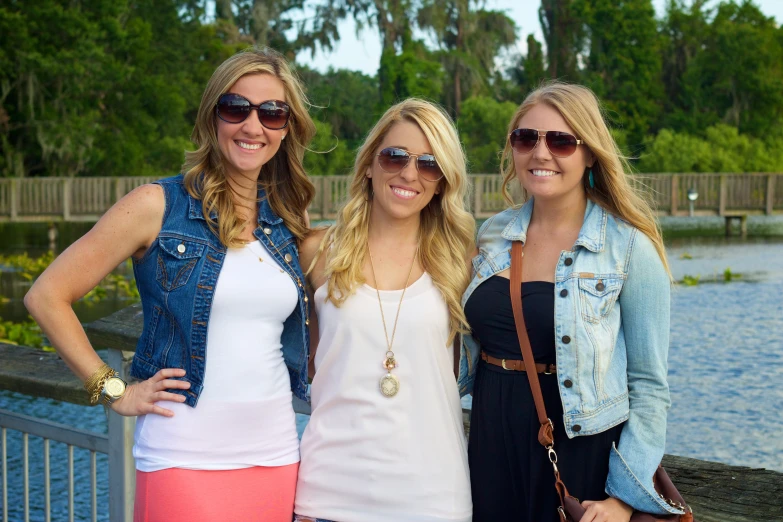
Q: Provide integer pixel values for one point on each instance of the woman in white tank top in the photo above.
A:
(385, 440)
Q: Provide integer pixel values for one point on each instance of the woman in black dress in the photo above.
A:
(595, 298)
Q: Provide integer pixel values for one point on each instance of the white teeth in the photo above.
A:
(543, 173)
(403, 193)
(249, 146)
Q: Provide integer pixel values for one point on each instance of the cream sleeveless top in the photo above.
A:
(370, 458)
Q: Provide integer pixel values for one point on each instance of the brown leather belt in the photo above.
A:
(517, 365)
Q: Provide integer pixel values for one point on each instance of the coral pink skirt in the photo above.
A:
(250, 494)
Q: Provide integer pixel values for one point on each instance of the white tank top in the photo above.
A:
(371, 458)
(244, 415)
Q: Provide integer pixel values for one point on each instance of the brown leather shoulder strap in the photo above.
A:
(545, 435)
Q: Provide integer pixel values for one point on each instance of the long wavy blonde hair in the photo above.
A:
(447, 230)
(583, 112)
(288, 189)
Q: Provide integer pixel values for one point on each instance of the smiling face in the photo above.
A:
(248, 145)
(543, 175)
(402, 195)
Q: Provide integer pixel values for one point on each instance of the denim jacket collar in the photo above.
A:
(265, 212)
(591, 236)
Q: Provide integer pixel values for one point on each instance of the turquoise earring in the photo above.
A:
(591, 179)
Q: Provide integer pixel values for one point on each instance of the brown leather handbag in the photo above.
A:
(571, 509)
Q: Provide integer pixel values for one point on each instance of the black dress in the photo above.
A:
(511, 476)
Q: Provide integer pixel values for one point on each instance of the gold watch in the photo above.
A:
(113, 390)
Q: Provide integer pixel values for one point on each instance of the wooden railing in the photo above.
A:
(86, 199)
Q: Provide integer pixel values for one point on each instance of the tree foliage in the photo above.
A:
(111, 87)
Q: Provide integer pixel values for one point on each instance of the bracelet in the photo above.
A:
(94, 383)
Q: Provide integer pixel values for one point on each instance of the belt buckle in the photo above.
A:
(503, 364)
(546, 370)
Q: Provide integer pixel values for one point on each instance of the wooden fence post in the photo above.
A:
(67, 191)
(723, 195)
(675, 194)
(118, 192)
(478, 194)
(13, 193)
(771, 178)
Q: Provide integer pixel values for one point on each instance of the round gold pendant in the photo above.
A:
(390, 385)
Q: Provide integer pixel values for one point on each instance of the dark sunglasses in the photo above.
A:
(393, 160)
(233, 108)
(560, 144)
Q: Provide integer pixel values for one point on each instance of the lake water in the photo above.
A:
(725, 365)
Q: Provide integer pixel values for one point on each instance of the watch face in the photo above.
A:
(115, 387)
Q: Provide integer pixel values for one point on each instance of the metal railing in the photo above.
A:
(50, 431)
(117, 446)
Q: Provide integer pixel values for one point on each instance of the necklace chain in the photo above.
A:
(389, 343)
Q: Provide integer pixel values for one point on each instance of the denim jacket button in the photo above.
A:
(563, 293)
(567, 383)
(600, 286)
(566, 339)
(568, 261)
(287, 258)
(181, 248)
(267, 231)
(576, 428)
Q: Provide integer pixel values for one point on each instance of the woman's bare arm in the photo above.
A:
(127, 229)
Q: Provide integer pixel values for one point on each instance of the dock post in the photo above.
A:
(67, 191)
(744, 226)
(122, 469)
(478, 195)
(728, 225)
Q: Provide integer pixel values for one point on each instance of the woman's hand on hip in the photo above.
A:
(141, 398)
(609, 510)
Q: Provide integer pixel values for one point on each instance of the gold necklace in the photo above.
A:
(389, 383)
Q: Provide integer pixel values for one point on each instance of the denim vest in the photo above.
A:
(176, 279)
(611, 339)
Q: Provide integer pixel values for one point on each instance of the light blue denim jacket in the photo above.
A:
(611, 339)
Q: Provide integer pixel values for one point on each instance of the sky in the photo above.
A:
(363, 52)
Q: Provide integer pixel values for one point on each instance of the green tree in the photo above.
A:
(624, 62)
(328, 155)
(482, 129)
(722, 149)
(470, 38)
(412, 72)
(682, 30)
(739, 72)
(564, 34)
(346, 100)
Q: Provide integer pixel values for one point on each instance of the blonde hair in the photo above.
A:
(288, 189)
(582, 110)
(447, 230)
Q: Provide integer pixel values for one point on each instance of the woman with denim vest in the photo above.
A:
(385, 441)
(225, 338)
(595, 298)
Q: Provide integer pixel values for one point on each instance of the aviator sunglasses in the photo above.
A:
(393, 160)
(233, 108)
(560, 144)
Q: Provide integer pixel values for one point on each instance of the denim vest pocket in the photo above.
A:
(597, 296)
(165, 345)
(176, 261)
